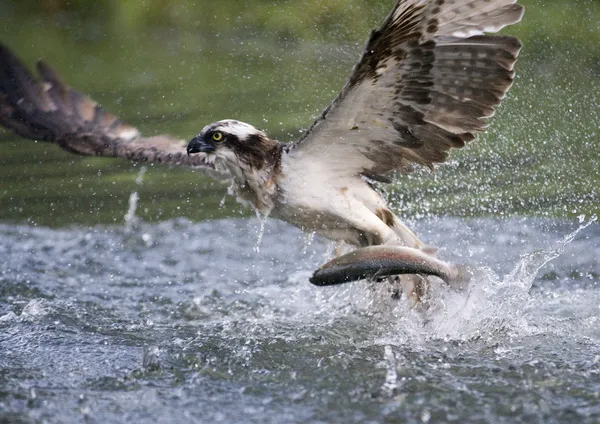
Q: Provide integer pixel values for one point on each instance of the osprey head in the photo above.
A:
(230, 139)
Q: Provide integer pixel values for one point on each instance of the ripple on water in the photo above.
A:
(188, 322)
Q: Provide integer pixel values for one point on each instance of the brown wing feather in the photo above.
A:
(427, 82)
(49, 110)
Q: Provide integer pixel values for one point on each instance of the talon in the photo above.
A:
(381, 261)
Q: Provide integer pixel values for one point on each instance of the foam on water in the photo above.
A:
(492, 304)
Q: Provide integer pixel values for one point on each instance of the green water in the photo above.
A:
(176, 66)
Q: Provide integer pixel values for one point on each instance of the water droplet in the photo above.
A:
(261, 232)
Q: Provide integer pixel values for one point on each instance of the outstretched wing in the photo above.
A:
(427, 81)
(49, 110)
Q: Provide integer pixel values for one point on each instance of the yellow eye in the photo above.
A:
(218, 136)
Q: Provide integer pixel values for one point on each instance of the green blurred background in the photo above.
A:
(174, 66)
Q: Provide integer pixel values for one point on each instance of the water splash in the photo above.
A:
(261, 233)
(139, 179)
(228, 192)
(34, 310)
(492, 305)
(307, 241)
(390, 385)
(130, 218)
(151, 358)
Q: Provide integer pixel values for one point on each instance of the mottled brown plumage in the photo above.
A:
(427, 81)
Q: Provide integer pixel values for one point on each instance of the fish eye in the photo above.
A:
(218, 136)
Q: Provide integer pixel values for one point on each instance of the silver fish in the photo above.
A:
(381, 261)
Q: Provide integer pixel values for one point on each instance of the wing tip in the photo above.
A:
(47, 109)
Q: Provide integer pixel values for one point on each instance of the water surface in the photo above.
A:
(187, 321)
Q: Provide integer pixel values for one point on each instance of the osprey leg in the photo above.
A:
(382, 261)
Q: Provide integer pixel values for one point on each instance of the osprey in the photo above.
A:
(426, 82)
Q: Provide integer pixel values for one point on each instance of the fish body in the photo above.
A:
(382, 261)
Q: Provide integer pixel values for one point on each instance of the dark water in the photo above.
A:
(187, 322)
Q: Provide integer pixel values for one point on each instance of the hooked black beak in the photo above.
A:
(197, 145)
